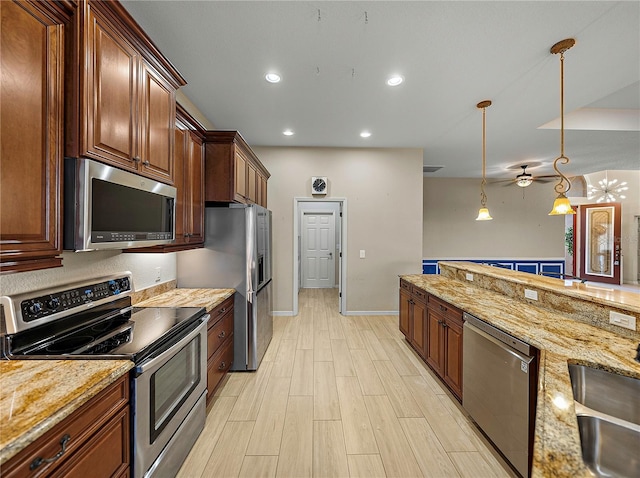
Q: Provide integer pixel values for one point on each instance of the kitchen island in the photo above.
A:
(492, 296)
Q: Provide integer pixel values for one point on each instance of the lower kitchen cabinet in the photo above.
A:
(433, 327)
(93, 441)
(219, 345)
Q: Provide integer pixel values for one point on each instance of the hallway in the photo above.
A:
(338, 396)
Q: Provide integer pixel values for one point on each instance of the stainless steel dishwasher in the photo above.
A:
(499, 382)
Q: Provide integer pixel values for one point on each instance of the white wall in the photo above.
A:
(84, 265)
(383, 188)
(521, 227)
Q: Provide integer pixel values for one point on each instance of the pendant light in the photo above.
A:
(483, 213)
(562, 205)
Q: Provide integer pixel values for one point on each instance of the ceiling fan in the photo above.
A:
(524, 179)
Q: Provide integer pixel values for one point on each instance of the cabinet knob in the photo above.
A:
(222, 366)
(63, 447)
(136, 159)
(443, 308)
(146, 162)
(222, 335)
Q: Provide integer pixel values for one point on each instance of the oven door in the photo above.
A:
(166, 389)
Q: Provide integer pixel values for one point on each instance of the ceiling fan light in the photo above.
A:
(524, 182)
(561, 206)
(483, 215)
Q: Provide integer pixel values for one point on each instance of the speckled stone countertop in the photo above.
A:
(207, 298)
(560, 341)
(35, 395)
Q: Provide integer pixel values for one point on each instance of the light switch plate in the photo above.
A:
(469, 276)
(362, 254)
(622, 320)
(531, 294)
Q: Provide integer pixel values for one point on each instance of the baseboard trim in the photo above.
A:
(371, 312)
(282, 313)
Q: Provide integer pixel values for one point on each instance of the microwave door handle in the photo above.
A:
(160, 359)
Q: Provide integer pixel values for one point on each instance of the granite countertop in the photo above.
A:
(35, 395)
(560, 341)
(207, 298)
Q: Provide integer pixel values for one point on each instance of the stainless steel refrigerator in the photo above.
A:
(237, 255)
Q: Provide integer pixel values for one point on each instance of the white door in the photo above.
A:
(318, 249)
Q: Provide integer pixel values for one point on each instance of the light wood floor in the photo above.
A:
(338, 396)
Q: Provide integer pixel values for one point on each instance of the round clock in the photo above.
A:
(319, 185)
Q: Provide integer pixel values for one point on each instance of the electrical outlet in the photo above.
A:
(622, 320)
(362, 254)
(158, 274)
(469, 276)
(531, 294)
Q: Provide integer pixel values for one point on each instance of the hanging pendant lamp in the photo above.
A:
(562, 205)
(483, 213)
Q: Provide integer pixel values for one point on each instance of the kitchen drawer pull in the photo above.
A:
(221, 335)
(63, 447)
(443, 308)
(222, 366)
(223, 310)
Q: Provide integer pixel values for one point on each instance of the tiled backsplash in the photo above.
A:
(533, 266)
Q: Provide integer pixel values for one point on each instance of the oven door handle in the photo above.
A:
(164, 356)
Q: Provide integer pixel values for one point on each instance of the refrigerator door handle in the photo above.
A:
(251, 296)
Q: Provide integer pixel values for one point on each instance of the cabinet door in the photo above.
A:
(180, 176)
(157, 123)
(419, 327)
(405, 310)
(240, 176)
(262, 195)
(252, 178)
(111, 84)
(434, 352)
(32, 46)
(194, 182)
(453, 356)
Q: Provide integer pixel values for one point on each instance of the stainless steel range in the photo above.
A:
(95, 320)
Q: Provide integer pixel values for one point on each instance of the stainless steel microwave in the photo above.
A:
(108, 208)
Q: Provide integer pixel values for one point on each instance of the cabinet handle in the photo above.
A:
(221, 335)
(146, 162)
(136, 159)
(444, 325)
(443, 308)
(223, 310)
(222, 366)
(63, 447)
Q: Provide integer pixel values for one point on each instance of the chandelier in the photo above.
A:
(607, 190)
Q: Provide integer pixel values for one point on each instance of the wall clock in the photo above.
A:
(319, 185)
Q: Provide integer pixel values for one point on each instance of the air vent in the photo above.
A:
(431, 169)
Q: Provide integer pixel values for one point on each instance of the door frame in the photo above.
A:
(331, 213)
(342, 268)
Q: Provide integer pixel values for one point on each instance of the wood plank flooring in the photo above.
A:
(338, 396)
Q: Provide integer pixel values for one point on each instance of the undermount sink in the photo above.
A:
(606, 392)
(608, 413)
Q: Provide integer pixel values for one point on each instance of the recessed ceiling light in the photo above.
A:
(395, 80)
(287, 132)
(272, 77)
(365, 134)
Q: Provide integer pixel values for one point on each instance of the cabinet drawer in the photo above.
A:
(218, 366)
(446, 309)
(405, 285)
(419, 294)
(220, 310)
(79, 427)
(219, 333)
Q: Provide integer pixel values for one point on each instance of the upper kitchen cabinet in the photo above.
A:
(233, 173)
(189, 182)
(32, 52)
(120, 93)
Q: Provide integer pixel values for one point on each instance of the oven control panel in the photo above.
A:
(59, 301)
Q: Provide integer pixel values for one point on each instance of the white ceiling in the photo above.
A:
(334, 58)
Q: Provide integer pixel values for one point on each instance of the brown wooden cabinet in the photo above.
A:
(31, 128)
(413, 317)
(433, 327)
(189, 182)
(120, 93)
(233, 173)
(219, 345)
(95, 438)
